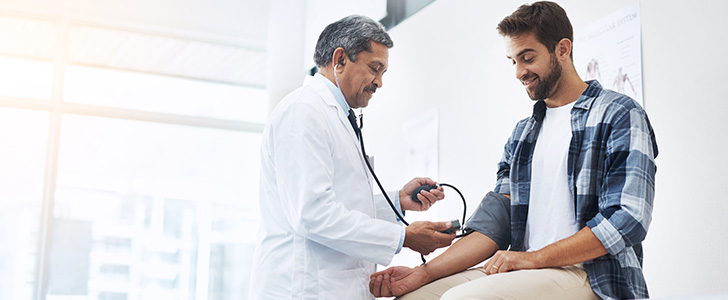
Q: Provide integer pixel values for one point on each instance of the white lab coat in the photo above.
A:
(322, 230)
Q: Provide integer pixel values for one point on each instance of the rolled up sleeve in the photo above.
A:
(627, 192)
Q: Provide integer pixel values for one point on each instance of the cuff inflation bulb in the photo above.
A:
(420, 188)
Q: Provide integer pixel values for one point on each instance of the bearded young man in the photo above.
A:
(573, 199)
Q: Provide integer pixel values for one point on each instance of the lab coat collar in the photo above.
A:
(338, 95)
(318, 83)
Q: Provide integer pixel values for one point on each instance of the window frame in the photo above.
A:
(57, 108)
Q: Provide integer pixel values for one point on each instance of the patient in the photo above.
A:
(574, 191)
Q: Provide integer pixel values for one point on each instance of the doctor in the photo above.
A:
(322, 229)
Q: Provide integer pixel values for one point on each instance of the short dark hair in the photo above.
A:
(354, 33)
(547, 20)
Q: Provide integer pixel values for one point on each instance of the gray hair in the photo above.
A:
(354, 33)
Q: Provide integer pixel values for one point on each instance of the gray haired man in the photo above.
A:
(322, 229)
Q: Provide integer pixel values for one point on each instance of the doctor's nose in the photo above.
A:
(378, 81)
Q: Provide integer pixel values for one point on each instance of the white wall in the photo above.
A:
(450, 57)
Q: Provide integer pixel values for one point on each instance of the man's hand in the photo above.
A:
(578, 248)
(506, 261)
(397, 281)
(424, 237)
(427, 198)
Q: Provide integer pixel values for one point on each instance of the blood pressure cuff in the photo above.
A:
(493, 219)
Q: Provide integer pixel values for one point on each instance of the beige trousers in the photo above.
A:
(552, 283)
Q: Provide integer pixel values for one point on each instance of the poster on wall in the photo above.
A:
(610, 51)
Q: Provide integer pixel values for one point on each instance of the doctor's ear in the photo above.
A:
(338, 57)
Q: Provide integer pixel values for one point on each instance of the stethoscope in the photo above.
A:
(414, 194)
(381, 188)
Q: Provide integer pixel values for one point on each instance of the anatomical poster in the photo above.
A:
(610, 51)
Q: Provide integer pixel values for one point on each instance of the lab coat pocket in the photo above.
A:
(347, 284)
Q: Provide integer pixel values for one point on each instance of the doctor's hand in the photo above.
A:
(424, 237)
(427, 198)
(397, 281)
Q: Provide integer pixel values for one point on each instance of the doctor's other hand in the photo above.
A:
(397, 281)
(424, 237)
(426, 198)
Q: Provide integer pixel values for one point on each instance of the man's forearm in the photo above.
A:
(578, 248)
(465, 253)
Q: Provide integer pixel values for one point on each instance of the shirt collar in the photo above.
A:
(587, 97)
(340, 99)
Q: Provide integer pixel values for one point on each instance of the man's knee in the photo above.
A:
(451, 294)
(557, 283)
(435, 289)
(477, 289)
(419, 294)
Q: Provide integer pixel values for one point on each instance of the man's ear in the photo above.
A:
(338, 58)
(563, 48)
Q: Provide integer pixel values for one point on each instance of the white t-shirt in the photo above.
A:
(551, 209)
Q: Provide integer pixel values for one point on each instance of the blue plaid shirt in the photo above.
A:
(611, 173)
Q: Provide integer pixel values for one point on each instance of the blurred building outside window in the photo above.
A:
(122, 182)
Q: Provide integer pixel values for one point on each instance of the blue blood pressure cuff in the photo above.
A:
(493, 219)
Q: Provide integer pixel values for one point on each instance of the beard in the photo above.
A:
(546, 86)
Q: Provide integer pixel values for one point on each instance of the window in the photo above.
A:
(23, 138)
(165, 94)
(150, 194)
(101, 192)
(24, 78)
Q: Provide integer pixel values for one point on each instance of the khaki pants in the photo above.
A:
(553, 283)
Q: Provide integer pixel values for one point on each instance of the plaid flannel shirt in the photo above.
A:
(611, 174)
